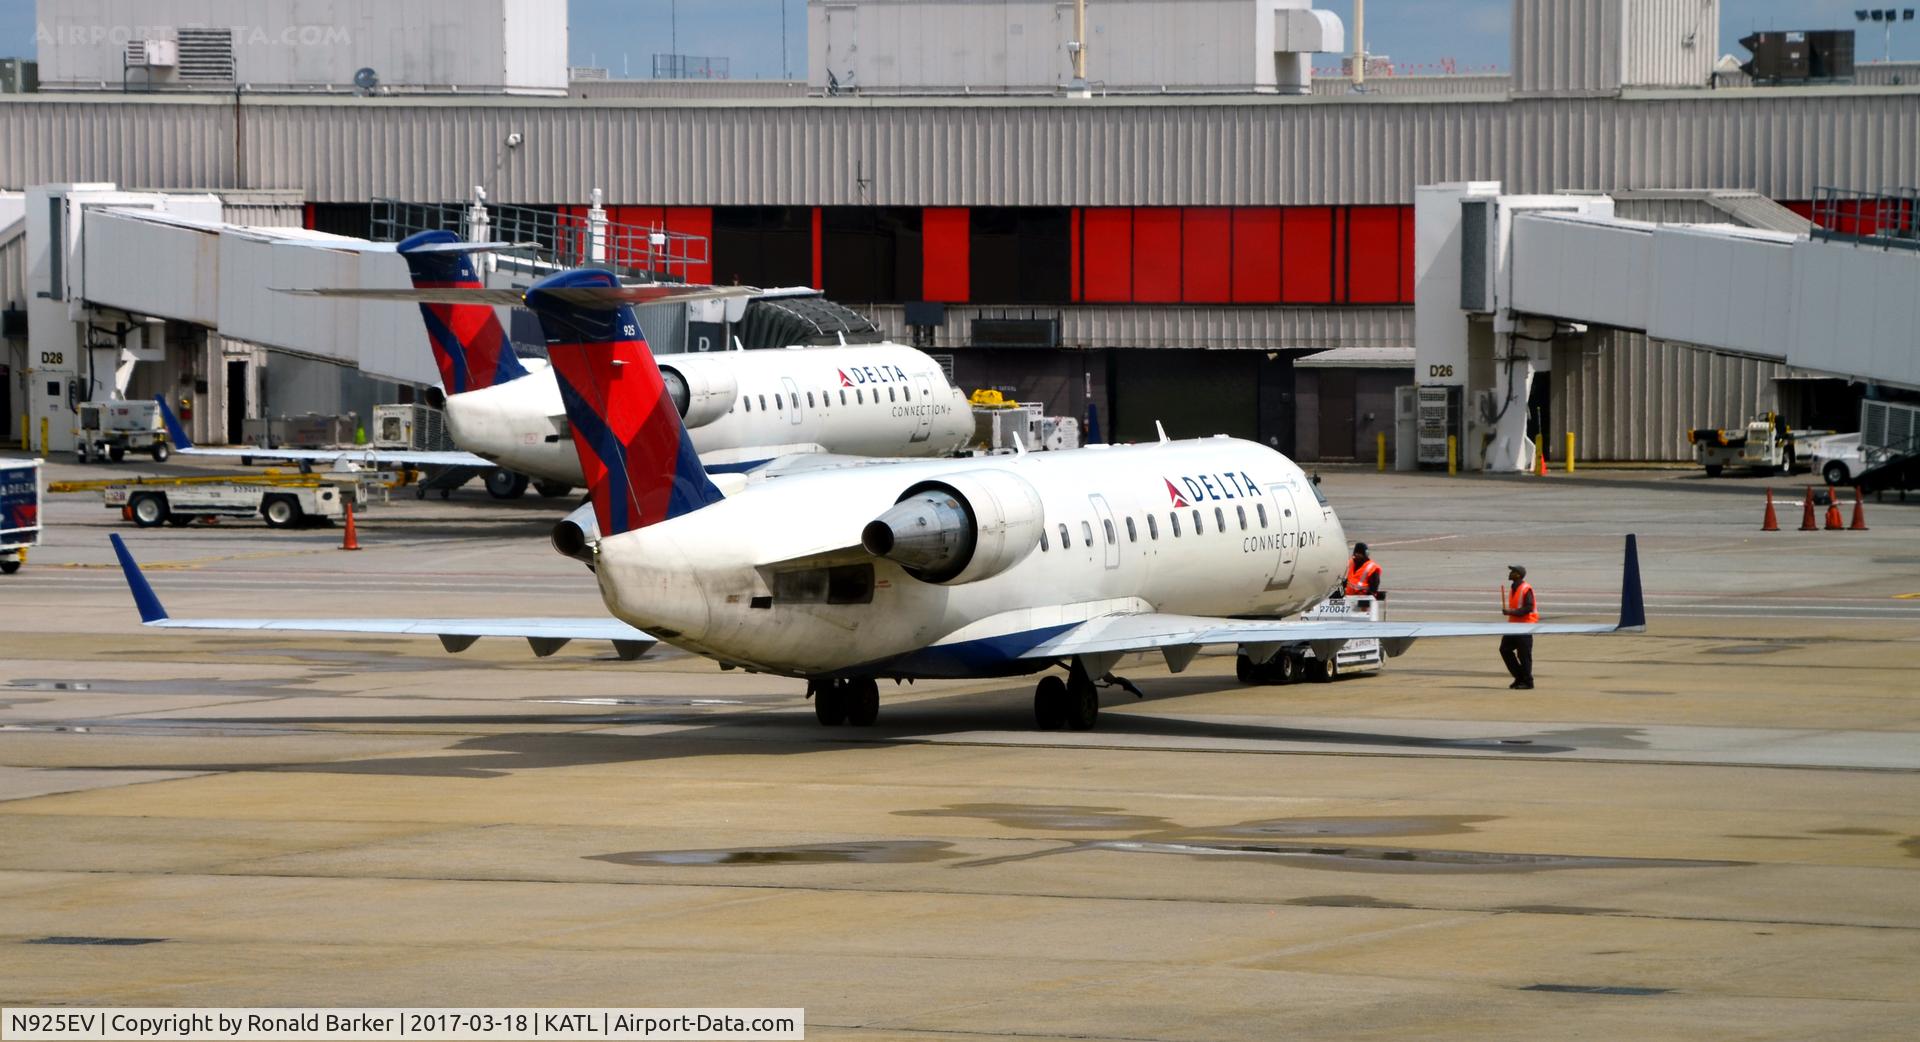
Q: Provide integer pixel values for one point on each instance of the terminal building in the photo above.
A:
(1202, 235)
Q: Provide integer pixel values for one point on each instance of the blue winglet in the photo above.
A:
(175, 433)
(143, 595)
(1633, 608)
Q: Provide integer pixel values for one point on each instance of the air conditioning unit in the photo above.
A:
(152, 54)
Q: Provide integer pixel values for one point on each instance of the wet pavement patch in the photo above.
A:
(1754, 648)
(1049, 817)
(1419, 825)
(875, 852)
(1345, 901)
(1397, 860)
(51, 685)
(1595, 989)
(111, 942)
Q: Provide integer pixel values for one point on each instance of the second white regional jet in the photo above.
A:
(984, 567)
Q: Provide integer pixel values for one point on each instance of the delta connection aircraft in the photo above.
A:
(744, 408)
(979, 567)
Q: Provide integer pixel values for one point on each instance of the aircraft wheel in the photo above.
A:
(8, 567)
(863, 702)
(829, 703)
(1050, 703)
(505, 484)
(552, 489)
(1329, 670)
(1245, 671)
(1082, 702)
(149, 510)
(1284, 669)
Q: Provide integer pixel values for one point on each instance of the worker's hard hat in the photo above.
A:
(1359, 548)
(1521, 568)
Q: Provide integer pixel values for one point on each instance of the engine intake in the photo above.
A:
(964, 528)
(702, 389)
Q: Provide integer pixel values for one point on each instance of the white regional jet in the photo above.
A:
(744, 408)
(983, 567)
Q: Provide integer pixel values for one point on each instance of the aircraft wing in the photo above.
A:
(184, 445)
(1114, 635)
(544, 635)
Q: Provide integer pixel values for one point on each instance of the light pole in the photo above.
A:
(1885, 16)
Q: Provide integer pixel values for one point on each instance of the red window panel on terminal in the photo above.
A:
(1075, 291)
(1256, 255)
(1156, 254)
(1206, 247)
(1373, 254)
(1306, 255)
(1106, 241)
(819, 277)
(946, 260)
(694, 220)
(1406, 255)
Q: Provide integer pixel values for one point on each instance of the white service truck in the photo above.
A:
(1322, 661)
(109, 429)
(282, 506)
(1764, 446)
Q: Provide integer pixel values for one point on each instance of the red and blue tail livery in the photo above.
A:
(640, 466)
(469, 345)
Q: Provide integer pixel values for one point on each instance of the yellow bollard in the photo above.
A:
(1453, 455)
(43, 437)
(1569, 452)
(1380, 445)
(26, 433)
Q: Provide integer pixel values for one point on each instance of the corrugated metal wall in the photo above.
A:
(1669, 43)
(264, 209)
(728, 90)
(1626, 397)
(1420, 86)
(1567, 46)
(13, 272)
(1238, 151)
(1200, 328)
(1866, 74)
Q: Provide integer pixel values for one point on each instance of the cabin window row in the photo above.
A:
(826, 398)
(1198, 517)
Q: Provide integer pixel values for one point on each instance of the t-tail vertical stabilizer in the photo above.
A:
(469, 344)
(640, 466)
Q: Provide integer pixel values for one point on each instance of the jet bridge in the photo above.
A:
(1498, 277)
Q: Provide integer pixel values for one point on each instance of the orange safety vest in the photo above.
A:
(1518, 596)
(1358, 579)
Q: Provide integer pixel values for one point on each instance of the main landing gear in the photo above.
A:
(1073, 703)
(854, 701)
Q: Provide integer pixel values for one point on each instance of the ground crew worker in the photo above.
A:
(1516, 649)
(1363, 575)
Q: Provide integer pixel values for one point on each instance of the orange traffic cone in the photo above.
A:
(1859, 513)
(1770, 523)
(1540, 464)
(1834, 524)
(1807, 523)
(126, 513)
(352, 540)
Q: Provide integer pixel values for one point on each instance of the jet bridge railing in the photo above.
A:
(565, 240)
(1890, 217)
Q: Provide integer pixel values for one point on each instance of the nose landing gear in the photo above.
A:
(854, 701)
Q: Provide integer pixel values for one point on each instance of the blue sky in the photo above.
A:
(1473, 33)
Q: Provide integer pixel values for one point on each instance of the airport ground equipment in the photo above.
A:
(109, 430)
(1318, 660)
(1765, 446)
(22, 486)
(1890, 441)
(281, 505)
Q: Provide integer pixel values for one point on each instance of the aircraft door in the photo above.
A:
(1108, 531)
(1286, 532)
(793, 399)
(924, 428)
